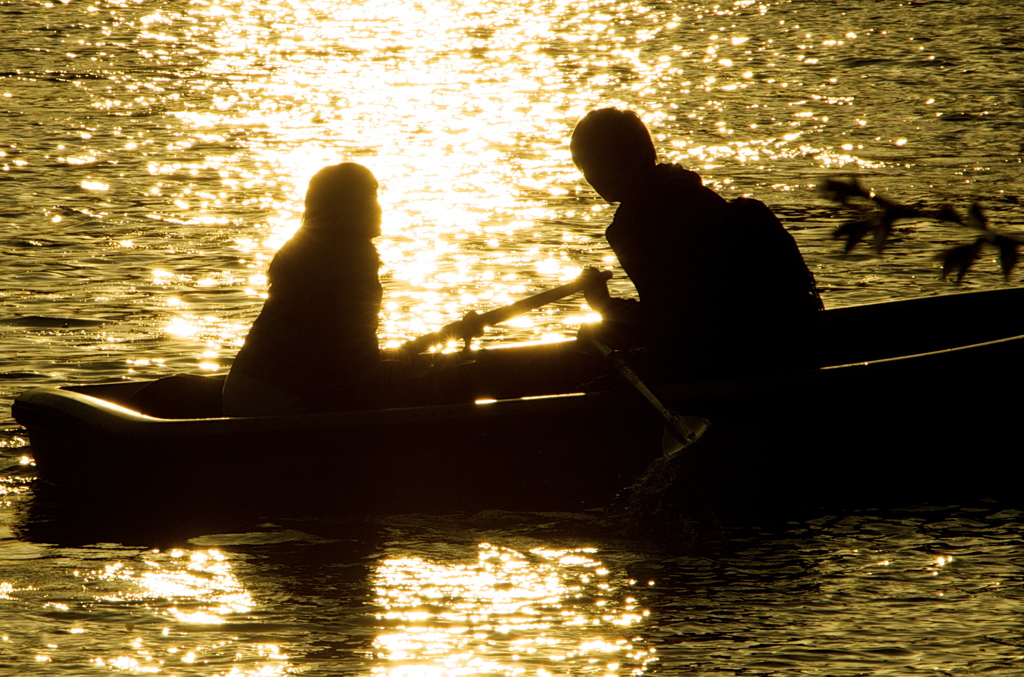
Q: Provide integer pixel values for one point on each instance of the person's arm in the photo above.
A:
(596, 293)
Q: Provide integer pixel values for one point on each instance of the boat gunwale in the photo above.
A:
(78, 408)
(111, 416)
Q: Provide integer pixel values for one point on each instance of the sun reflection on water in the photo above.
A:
(542, 612)
(201, 584)
(157, 156)
(189, 593)
(463, 110)
(466, 181)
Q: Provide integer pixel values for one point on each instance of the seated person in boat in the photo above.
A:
(314, 345)
(723, 289)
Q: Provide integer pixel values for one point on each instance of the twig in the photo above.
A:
(877, 216)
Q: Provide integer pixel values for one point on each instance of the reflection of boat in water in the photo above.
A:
(912, 403)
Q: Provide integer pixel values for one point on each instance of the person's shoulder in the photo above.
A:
(675, 182)
(747, 208)
(674, 175)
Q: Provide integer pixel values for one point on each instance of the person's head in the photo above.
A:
(343, 199)
(614, 151)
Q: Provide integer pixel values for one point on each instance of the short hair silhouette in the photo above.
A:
(610, 134)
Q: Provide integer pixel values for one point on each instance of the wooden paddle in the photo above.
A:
(680, 431)
(473, 323)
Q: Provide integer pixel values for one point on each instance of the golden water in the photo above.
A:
(153, 156)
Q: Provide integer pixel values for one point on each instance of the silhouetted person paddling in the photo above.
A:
(723, 288)
(314, 345)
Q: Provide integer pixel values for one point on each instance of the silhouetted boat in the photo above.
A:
(917, 400)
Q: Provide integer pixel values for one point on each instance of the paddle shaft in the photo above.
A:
(685, 429)
(473, 323)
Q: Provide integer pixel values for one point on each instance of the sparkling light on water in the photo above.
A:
(545, 611)
(183, 594)
(154, 156)
(200, 584)
(185, 133)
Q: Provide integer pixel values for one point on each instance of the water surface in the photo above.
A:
(153, 156)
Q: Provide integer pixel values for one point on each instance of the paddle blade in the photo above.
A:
(681, 432)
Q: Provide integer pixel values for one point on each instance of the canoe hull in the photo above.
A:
(564, 454)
